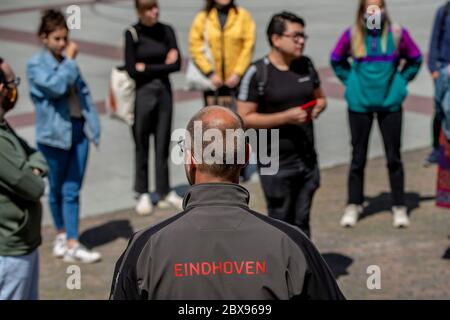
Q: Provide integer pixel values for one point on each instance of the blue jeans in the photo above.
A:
(19, 277)
(67, 169)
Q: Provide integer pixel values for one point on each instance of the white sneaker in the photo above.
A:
(144, 205)
(60, 245)
(351, 215)
(81, 254)
(401, 219)
(172, 200)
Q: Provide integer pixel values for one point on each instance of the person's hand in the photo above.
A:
(37, 172)
(318, 109)
(172, 56)
(233, 81)
(71, 50)
(296, 116)
(435, 75)
(216, 80)
(140, 67)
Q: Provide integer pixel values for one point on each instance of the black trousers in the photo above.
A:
(390, 124)
(289, 195)
(437, 124)
(153, 116)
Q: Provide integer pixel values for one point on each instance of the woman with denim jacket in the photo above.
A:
(375, 87)
(66, 120)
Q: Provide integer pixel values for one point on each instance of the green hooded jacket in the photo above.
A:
(20, 193)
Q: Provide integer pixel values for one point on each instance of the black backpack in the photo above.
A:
(261, 74)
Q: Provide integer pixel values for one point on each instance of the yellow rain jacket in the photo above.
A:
(231, 49)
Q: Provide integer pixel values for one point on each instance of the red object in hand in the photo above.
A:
(309, 105)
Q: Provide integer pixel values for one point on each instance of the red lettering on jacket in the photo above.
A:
(177, 269)
(215, 268)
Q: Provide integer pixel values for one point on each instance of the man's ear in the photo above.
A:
(190, 166)
(43, 38)
(275, 40)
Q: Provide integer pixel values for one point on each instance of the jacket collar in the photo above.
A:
(216, 194)
(231, 19)
(49, 59)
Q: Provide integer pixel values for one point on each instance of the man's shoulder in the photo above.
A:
(284, 228)
(140, 238)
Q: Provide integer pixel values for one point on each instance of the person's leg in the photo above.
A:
(57, 160)
(19, 277)
(279, 196)
(146, 99)
(391, 130)
(360, 127)
(162, 130)
(437, 124)
(74, 180)
(307, 186)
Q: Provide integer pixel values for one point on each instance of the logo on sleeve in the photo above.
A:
(304, 79)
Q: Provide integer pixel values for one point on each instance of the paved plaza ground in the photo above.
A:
(414, 263)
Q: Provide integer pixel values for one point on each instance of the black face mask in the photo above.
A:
(221, 7)
(10, 99)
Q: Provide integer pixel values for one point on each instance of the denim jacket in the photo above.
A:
(442, 99)
(49, 84)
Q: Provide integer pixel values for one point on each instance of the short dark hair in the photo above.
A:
(51, 21)
(145, 4)
(2, 74)
(277, 24)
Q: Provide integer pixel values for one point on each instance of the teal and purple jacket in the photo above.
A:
(375, 83)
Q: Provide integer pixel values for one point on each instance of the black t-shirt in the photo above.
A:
(284, 90)
(151, 48)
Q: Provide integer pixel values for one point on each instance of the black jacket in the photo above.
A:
(218, 248)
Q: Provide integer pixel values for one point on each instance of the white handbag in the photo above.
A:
(196, 80)
(122, 92)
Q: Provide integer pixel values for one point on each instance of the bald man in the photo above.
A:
(21, 186)
(218, 248)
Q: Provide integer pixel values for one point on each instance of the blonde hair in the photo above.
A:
(359, 30)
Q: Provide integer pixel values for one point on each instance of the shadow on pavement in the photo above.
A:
(106, 233)
(446, 255)
(383, 202)
(338, 263)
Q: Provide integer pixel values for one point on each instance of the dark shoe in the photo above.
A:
(432, 159)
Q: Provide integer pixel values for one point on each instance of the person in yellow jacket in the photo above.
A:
(231, 38)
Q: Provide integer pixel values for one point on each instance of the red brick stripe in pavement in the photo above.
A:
(414, 103)
(56, 5)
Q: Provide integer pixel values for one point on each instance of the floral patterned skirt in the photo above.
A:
(443, 181)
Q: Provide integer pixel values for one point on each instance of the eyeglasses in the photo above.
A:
(12, 83)
(296, 36)
(181, 143)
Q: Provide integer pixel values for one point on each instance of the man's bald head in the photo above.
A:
(6, 95)
(231, 127)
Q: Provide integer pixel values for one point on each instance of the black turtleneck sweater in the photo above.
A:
(152, 47)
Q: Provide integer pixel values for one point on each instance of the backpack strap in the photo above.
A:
(261, 75)
(134, 34)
